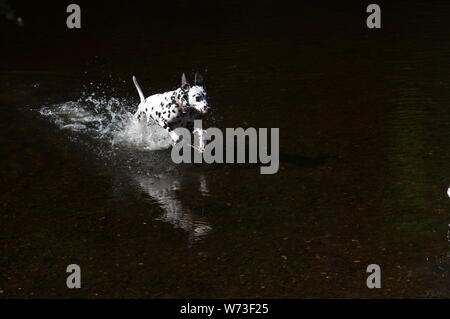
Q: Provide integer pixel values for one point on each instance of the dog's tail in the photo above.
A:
(141, 95)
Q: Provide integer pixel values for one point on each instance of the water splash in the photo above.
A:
(111, 120)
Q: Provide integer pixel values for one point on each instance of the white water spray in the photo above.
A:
(111, 120)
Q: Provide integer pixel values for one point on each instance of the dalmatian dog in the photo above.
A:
(176, 108)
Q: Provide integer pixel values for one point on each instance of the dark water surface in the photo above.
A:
(364, 146)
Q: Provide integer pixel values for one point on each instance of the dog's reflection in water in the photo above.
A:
(181, 198)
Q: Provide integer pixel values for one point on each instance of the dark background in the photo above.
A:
(363, 117)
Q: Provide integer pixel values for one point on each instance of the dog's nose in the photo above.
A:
(208, 110)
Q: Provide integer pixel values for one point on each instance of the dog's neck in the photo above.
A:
(176, 98)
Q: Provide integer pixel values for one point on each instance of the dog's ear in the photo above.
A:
(184, 83)
(198, 79)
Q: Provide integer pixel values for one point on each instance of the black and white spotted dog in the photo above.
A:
(177, 108)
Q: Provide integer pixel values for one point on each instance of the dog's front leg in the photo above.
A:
(202, 135)
(202, 138)
(175, 137)
(169, 129)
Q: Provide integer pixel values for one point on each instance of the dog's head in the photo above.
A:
(195, 95)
